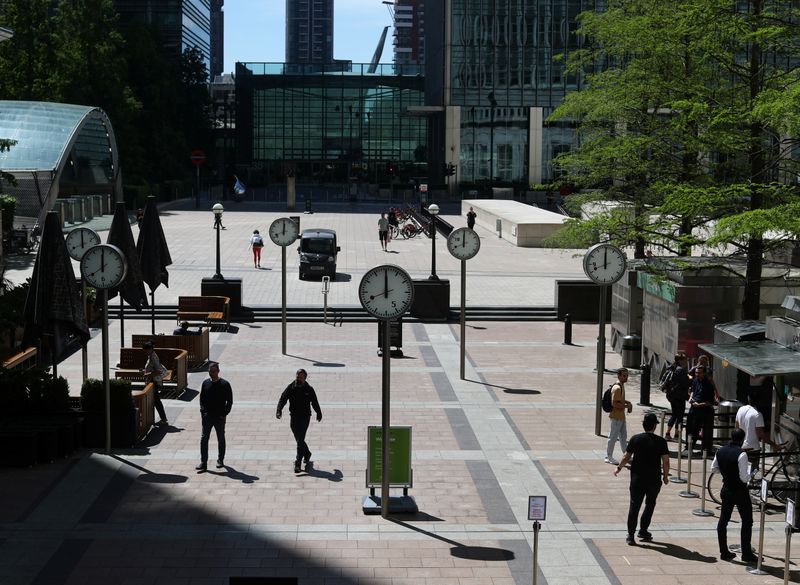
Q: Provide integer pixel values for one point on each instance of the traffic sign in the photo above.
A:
(198, 157)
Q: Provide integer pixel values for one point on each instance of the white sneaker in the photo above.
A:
(611, 461)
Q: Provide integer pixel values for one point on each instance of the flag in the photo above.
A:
(238, 187)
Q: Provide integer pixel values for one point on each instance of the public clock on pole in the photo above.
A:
(604, 263)
(463, 243)
(79, 240)
(104, 266)
(283, 231)
(386, 292)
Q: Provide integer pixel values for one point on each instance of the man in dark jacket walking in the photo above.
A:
(301, 398)
(731, 462)
(649, 468)
(216, 401)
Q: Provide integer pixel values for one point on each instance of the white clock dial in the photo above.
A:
(104, 266)
(283, 231)
(604, 263)
(386, 291)
(463, 243)
(79, 240)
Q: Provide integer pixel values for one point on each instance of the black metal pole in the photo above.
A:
(217, 222)
(567, 329)
(433, 248)
(385, 418)
(644, 389)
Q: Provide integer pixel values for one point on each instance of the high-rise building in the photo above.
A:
(182, 24)
(409, 32)
(496, 70)
(309, 31)
(217, 38)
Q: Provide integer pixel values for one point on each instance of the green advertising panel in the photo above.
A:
(399, 456)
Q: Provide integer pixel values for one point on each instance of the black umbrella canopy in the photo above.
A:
(152, 248)
(121, 235)
(54, 306)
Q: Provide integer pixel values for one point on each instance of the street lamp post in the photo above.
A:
(493, 104)
(433, 210)
(218, 209)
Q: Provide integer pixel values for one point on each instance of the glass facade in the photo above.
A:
(508, 57)
(330, 125)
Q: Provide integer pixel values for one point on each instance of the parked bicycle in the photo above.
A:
(781, 477)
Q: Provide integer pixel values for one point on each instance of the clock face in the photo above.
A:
(604, 263)
(79, 240)
(386, 291)
(463, 243)
(283, 231)
(103, 266)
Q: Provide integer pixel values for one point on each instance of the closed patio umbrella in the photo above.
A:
(153, 253)
(131, 290)
(53, 307)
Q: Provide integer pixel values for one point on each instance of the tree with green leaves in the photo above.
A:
(680, 127)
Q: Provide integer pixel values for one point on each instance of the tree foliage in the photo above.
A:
(685, 123)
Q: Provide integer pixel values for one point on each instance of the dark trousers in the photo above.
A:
(739, 498)
(678, 408)
(701, 418)
(642, 490)
(218, 424)
(299, 426)
(157, 401)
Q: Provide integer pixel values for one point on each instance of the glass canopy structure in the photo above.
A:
(60, 150)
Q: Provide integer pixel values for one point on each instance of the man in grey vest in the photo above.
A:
(731, 462)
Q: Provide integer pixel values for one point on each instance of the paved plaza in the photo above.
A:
(521, 423)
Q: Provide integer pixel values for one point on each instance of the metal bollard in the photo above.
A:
(701, 511)
(644, 388)
(567, 329)
(678, 478)
(757, 570)
(326, 287)
(688, 493)
(663, 419)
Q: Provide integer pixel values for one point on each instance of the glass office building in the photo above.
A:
(500, 74)
(309, 31)
(328, 125)
(182, 24)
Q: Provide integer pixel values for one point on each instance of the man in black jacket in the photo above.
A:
(216, 401)
(702, 399)
(649, 468)
(731, 462)
(301, 398)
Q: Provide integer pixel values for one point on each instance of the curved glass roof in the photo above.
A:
(42, 131)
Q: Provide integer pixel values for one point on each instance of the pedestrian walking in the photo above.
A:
(731, 462)
(471, 215)
(154, 373)
(383, 228)
(256, 243)
(649, 457)
(391, 217)
(301, 398)
(216, 401)
(677, 393)
(139, 217)
(619, 406)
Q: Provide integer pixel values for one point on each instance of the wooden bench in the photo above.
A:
(195, 345)
(212, 310)
(132, 360)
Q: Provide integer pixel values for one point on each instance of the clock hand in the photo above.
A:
(372, 297)
(605, 258)
(81, 238)
(102, 259)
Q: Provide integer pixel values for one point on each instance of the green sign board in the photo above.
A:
(399, 456)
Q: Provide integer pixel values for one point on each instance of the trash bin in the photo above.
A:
(631, 351)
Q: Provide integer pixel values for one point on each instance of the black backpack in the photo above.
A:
(607, 406)
(666, 383)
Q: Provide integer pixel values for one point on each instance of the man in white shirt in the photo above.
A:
(751, 421)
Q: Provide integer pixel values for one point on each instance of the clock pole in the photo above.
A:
(385, 419)
(106, 381)
(601, 359)
(283, 299)
(463, 316)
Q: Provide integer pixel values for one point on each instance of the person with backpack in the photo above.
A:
(256, 243)
(676, 386)
(619, 406)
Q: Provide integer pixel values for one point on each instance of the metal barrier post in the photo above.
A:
(757, 570)
(678, 478)
(567, 329)
(663, 418)
(326, 287)
(787, 562)
(644, 386)
(701, 511)
(688, 493)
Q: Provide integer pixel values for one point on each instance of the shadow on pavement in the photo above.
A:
(679, 552)
(316, 363)
(312, 471)
(461, 551)
(188, 395)
(505, 389)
